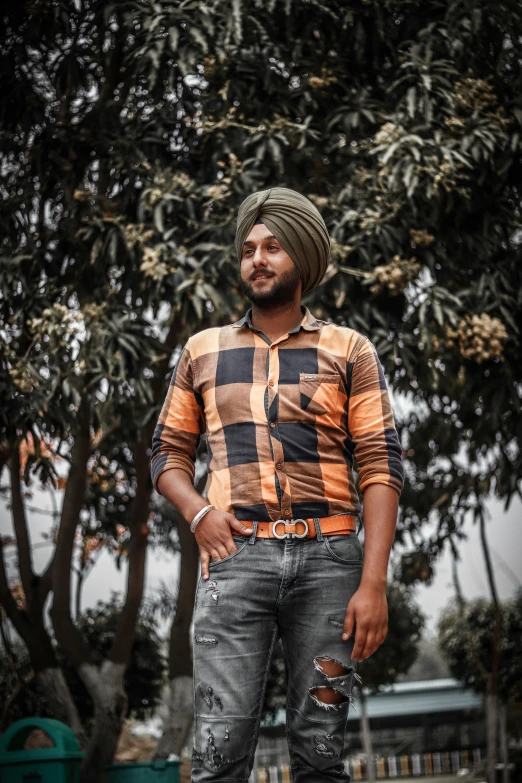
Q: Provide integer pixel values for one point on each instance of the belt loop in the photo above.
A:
(254, 533)
(318, 529)
(359, 524)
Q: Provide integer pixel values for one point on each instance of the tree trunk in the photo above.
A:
(181, 700)
(58, 695)
(29, 623)
(491, 730)
(105, 686)
(504, 749)
(492, 679)
(78, 593)
(366, 738)
(179, 721)
(103, 681)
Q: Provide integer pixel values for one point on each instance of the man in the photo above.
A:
(287, 403)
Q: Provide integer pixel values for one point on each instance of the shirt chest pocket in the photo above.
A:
(319, 392)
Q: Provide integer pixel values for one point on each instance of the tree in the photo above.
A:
(180, 708)
(491, 672)
(394, 657)
(402, 124)
(470, 641)
(468, 658)
(20, 694)
(398, 123)
(75, 311)
(144, 676)
(145, 673)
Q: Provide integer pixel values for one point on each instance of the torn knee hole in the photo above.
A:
(325, 696)
(330, 667)
(328, 695)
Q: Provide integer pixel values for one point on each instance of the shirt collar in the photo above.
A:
(308, 322)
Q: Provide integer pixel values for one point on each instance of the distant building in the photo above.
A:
(406, 718)
(419, 717)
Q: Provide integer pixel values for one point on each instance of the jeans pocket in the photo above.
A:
(240, 542)
(345, 548)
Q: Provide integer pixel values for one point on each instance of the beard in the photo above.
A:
(281, 293)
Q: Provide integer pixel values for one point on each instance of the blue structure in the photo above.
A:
(419, 698)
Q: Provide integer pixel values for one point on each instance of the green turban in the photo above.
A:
(296, 223)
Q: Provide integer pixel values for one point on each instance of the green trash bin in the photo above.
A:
(145, 772)
(59, 764)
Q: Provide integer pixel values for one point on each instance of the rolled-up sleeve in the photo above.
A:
(377, 449)
(180, 424)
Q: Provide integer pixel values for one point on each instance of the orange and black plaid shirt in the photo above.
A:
(285, 421)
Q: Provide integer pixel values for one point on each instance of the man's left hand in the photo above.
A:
(367, 612)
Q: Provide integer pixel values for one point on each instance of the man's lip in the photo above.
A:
(262, 277)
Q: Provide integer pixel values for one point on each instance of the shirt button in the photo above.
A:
(272, 424)
(270, 383)
(279, 466)
(288, 511)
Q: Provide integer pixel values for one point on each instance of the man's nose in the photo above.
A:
(259, 258)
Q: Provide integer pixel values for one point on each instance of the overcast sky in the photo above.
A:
(503, 529)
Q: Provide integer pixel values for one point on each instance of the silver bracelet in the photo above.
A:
(199, 516)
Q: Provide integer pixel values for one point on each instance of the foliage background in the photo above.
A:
(144, 677)
(466, 640)
(159, 121)
(129, 137)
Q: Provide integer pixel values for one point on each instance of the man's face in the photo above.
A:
(269, 277)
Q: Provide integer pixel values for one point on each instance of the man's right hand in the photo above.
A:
(214, 537)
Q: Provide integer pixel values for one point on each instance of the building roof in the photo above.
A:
(417, 698)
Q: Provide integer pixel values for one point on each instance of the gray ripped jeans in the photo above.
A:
(297, 589)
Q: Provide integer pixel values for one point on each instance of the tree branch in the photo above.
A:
(487, 557)
(180, 658)
(45, 583)
(11, 657)
(461, 604)
(99, 444)
(138, 525)
(18, 617)
(20, 527)
(5, 453)
(456, 580)
(124, 638)
(494, 598)
(68, 636)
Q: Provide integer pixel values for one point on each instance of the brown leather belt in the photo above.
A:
(304, 528)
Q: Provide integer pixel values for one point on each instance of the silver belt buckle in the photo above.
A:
(290, 533)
